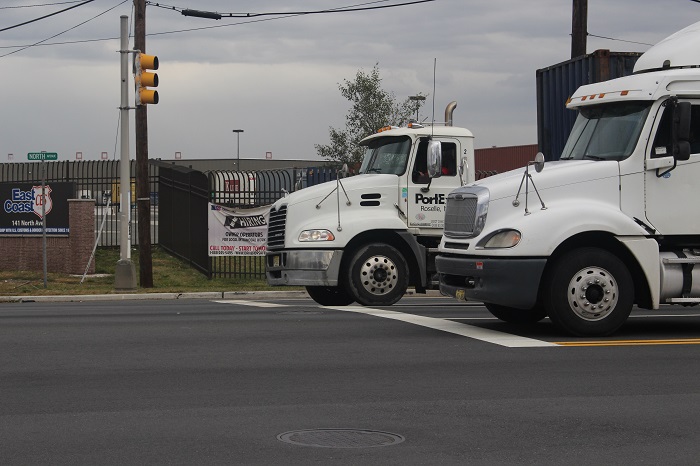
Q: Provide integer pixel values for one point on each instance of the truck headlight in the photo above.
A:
(500, 239)
(316, 235)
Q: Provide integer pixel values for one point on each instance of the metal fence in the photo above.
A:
(183, 213)
(94, 179)
(481, 174)
(179, 197)
(183, 195)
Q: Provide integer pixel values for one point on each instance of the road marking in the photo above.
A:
(448, 324)
(655, 316)
(679, 341)
(482, 334)
(249, 303)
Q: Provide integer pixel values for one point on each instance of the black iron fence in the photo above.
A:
(94, 179)
(179, 198)
(183, 197)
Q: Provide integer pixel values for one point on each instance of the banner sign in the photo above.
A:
(22, 205)
(237, 232)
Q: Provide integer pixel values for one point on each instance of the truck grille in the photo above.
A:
(465, 212)
(460, 215)
(275, 229)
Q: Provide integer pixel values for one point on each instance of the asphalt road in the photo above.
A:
(427, 381)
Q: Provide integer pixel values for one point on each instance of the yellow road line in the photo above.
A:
(680, 341)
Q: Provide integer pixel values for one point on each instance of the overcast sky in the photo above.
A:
(277, 77)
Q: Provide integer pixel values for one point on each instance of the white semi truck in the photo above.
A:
(368, 237)
(614, 222)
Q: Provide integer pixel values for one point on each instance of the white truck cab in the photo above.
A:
(366, 238)
(614, 222)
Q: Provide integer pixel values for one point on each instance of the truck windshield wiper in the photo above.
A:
(594, 157)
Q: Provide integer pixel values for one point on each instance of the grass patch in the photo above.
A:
(170, 275)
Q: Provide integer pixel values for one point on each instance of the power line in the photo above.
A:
(38, 4)
(240, 23)
(69, 29)
(213, 15)
(620, 40)
(46, 16)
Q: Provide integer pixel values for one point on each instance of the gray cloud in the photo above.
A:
(278, 79)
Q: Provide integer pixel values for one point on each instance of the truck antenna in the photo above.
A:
(432, 126)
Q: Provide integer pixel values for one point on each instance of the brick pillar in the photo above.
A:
(82, 235)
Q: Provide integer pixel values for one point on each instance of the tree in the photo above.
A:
(371, 108)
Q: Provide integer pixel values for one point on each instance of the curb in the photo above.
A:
(242, 295)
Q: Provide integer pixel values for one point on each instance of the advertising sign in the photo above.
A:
(23, 204)
(237, 232)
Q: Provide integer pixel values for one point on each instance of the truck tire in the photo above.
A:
(377, 275)
(329, 295)
(588, 292)
(516, 316)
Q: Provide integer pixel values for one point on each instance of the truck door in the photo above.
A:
(671, 195)
(424, 199)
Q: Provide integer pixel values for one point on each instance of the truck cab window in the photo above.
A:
(387, 155)
(606, 131)
(662, 140)
(419, 174)
(449, 159)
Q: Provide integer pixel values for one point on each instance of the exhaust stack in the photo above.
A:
(449, 110)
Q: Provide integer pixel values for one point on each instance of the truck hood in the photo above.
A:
(352, 184)
(554, 176)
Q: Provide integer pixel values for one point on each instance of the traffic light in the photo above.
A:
(145, 79)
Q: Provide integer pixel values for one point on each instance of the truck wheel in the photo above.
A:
(516, 316)
(378, 275)
(589, 292)
(329, 295)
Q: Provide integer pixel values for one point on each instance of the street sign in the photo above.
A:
(42, 156)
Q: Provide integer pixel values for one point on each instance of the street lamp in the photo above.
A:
(417, 99)
(238, 148)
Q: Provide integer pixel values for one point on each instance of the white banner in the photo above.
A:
(237, 232)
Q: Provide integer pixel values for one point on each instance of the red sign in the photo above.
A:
(232, 185)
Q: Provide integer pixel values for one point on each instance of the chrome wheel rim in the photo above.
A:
(593, 293)
(379, 275)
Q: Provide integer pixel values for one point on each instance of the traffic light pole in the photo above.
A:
(143, 197)
(125, 273)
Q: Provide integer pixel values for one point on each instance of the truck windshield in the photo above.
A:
(606, 131)
(386, 155)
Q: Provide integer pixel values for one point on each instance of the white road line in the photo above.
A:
(654, 316)
(249, 303)
(489, 336)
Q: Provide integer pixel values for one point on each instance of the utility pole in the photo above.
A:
(143, 196)
(579, 28)
(124, 272)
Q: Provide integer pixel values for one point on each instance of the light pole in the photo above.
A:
(238, 148)
(417, 99)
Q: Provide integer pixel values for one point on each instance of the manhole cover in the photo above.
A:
(340, 438)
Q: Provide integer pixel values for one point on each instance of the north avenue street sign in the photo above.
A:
(42, 156)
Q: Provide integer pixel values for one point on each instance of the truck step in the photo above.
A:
(682, 260)
(683, 301)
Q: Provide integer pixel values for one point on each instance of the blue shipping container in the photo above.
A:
(557, 83)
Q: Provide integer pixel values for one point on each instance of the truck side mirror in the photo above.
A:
(463, 171)
(434, 159)
(539, 162)
(680, 131)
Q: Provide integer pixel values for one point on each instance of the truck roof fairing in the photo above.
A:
(671, 67)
